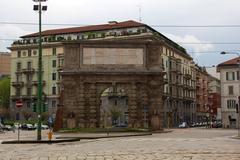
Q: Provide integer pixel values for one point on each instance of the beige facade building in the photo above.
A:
(180, 87)
(5, 63)
(230, 90)
(202, 93)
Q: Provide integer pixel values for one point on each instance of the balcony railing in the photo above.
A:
(35, 83)
(188, 76)
(17, 84)
(29, 97)
(60, 68)
(28, 70)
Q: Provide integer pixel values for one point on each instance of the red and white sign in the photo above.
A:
(19, 104)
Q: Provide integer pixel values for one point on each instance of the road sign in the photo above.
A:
(19, 104)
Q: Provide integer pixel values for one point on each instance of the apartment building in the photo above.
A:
(180, 87)
(214, 98)
(229, 77)
(202, 95)
(24, 81)
(4, 64)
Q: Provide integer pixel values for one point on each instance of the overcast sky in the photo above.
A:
(154, 12)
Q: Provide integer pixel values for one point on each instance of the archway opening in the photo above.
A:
(114, 108)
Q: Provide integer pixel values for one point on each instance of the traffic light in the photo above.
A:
(45, 108)
(34, 107)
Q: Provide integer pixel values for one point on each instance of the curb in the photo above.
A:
(42, 141)
(236, 137)
(166, 131)
(101, 137)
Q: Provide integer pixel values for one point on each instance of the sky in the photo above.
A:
(153, 12)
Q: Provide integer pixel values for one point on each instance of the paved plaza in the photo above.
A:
(181, 144)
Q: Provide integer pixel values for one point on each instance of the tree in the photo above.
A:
(5, 92)
(115, 113)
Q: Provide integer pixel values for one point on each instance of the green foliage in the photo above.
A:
(5, 92)
(115, 112)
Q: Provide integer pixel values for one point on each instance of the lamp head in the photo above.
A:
(223, 52)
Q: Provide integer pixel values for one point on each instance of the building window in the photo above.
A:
(230, 90)
(18, 92)
(54, 51)
(231, 104)
(54, 104)
(54, 92)
(29, 91)
(29, 65)
(237, 75)
(230, 76)
(19, 54)
(54, 75)
(28, 104)
(34, 52)
(24, 54)
(28, 77)
(29, 53)
(54, 63)
(19, 66)
(18, 77)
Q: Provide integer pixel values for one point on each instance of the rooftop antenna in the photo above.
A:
(140, 13)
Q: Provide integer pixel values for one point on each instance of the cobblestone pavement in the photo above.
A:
(181, 144)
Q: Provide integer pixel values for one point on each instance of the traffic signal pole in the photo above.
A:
(39, 106)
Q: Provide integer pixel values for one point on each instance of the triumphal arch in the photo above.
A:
(128, 70)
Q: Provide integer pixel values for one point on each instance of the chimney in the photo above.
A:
(112, 22)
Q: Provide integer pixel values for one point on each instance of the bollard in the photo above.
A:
(50, 133)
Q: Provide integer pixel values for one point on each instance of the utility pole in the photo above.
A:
(39, 8)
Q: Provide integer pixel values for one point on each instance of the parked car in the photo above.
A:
(7, 128)
(183, 125)
(43, 126)
(217, 125)
(27, 127)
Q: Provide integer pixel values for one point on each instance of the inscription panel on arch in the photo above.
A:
(113, 56)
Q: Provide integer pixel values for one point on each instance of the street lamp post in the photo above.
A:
(238, 77)
(39, 8)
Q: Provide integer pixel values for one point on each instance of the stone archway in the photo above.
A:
(92, 66)
(83, 98)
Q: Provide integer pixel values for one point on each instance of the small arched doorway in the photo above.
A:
(114, 108)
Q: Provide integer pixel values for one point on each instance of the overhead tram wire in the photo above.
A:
(156, 26)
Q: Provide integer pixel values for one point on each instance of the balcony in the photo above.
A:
(173, 69)
(28, 70)
(18, 71)
(35, 83)
(29, 97)
(165, 80)
(15, 97)
(60, 68)
(188, 76)
(17, 84)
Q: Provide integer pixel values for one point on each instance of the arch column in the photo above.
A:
(132, 106)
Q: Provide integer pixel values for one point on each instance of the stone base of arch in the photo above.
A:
(82, 92)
